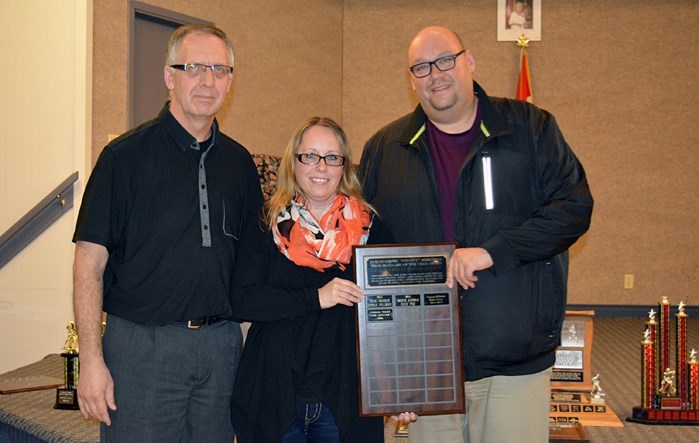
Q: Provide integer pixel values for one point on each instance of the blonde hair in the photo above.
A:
(288, 187)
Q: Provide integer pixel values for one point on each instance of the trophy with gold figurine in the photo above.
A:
(668, 394)
(67, 396)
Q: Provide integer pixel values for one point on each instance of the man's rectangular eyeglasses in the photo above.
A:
(196, 69)
(313, 159)
(442, 63)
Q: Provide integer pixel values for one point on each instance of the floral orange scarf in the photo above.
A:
(326, 243)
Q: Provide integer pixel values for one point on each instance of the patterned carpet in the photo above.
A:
(616, 355)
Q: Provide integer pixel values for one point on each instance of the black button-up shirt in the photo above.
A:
(170, 220)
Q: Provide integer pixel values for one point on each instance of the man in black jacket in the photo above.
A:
(497, 176)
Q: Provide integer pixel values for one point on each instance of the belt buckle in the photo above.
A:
(191, 326)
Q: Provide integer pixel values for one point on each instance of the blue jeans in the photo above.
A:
(313, 424)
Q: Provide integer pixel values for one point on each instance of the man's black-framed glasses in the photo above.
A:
(310, 158)
(196, 69)
(442, 63)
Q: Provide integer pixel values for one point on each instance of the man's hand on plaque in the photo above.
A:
(463, 264)
(405, 417)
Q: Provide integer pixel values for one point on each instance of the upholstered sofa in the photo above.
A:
(267, 167)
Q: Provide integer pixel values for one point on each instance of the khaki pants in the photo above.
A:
(499, 409)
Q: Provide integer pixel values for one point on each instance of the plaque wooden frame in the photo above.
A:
(572, 370)
(409, 345)
(31, 383)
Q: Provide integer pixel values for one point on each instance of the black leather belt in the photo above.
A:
(197, 323)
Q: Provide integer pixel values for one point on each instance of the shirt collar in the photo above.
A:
(183, 139)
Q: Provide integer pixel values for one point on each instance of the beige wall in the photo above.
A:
(288, 65)
(43, 121)
(619, 77)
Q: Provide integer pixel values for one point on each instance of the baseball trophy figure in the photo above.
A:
(67, 396)
(597, 394)
(667, 387)
(651, 315)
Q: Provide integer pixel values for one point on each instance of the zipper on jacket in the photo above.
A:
(487, 180)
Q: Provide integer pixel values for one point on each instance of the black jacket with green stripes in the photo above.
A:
(528, 207)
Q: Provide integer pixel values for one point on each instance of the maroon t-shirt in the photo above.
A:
(448, 153)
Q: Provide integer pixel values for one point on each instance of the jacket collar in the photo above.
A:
(491, 124)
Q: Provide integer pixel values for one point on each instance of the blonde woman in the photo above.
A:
(297, 378)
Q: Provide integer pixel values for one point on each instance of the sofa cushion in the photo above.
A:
(267, 167)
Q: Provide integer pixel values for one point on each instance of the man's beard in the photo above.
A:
(443, 104)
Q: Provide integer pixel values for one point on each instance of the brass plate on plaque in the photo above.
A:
(408, 330)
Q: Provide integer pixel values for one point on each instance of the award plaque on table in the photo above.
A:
(408, 330)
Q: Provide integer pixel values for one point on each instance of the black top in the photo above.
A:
(170, 220)
(294, 349)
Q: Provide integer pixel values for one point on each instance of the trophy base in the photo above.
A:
(66, 399)
(565, 432)
(684, 417)
(574, 407)
(401, 430)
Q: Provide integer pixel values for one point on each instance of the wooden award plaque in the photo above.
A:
(409, 348)
(572, 369)
(32, 383)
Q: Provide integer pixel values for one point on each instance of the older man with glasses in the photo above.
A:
(496, 176)
(156, 240)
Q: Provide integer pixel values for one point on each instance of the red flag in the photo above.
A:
(524, 83)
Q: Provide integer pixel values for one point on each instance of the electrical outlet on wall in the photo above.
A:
(628, 281)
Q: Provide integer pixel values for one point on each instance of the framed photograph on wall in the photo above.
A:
(517, 17)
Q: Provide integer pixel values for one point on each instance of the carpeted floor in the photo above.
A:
(616, 356)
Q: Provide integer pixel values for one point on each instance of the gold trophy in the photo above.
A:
(667, 386)
(67, 397)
